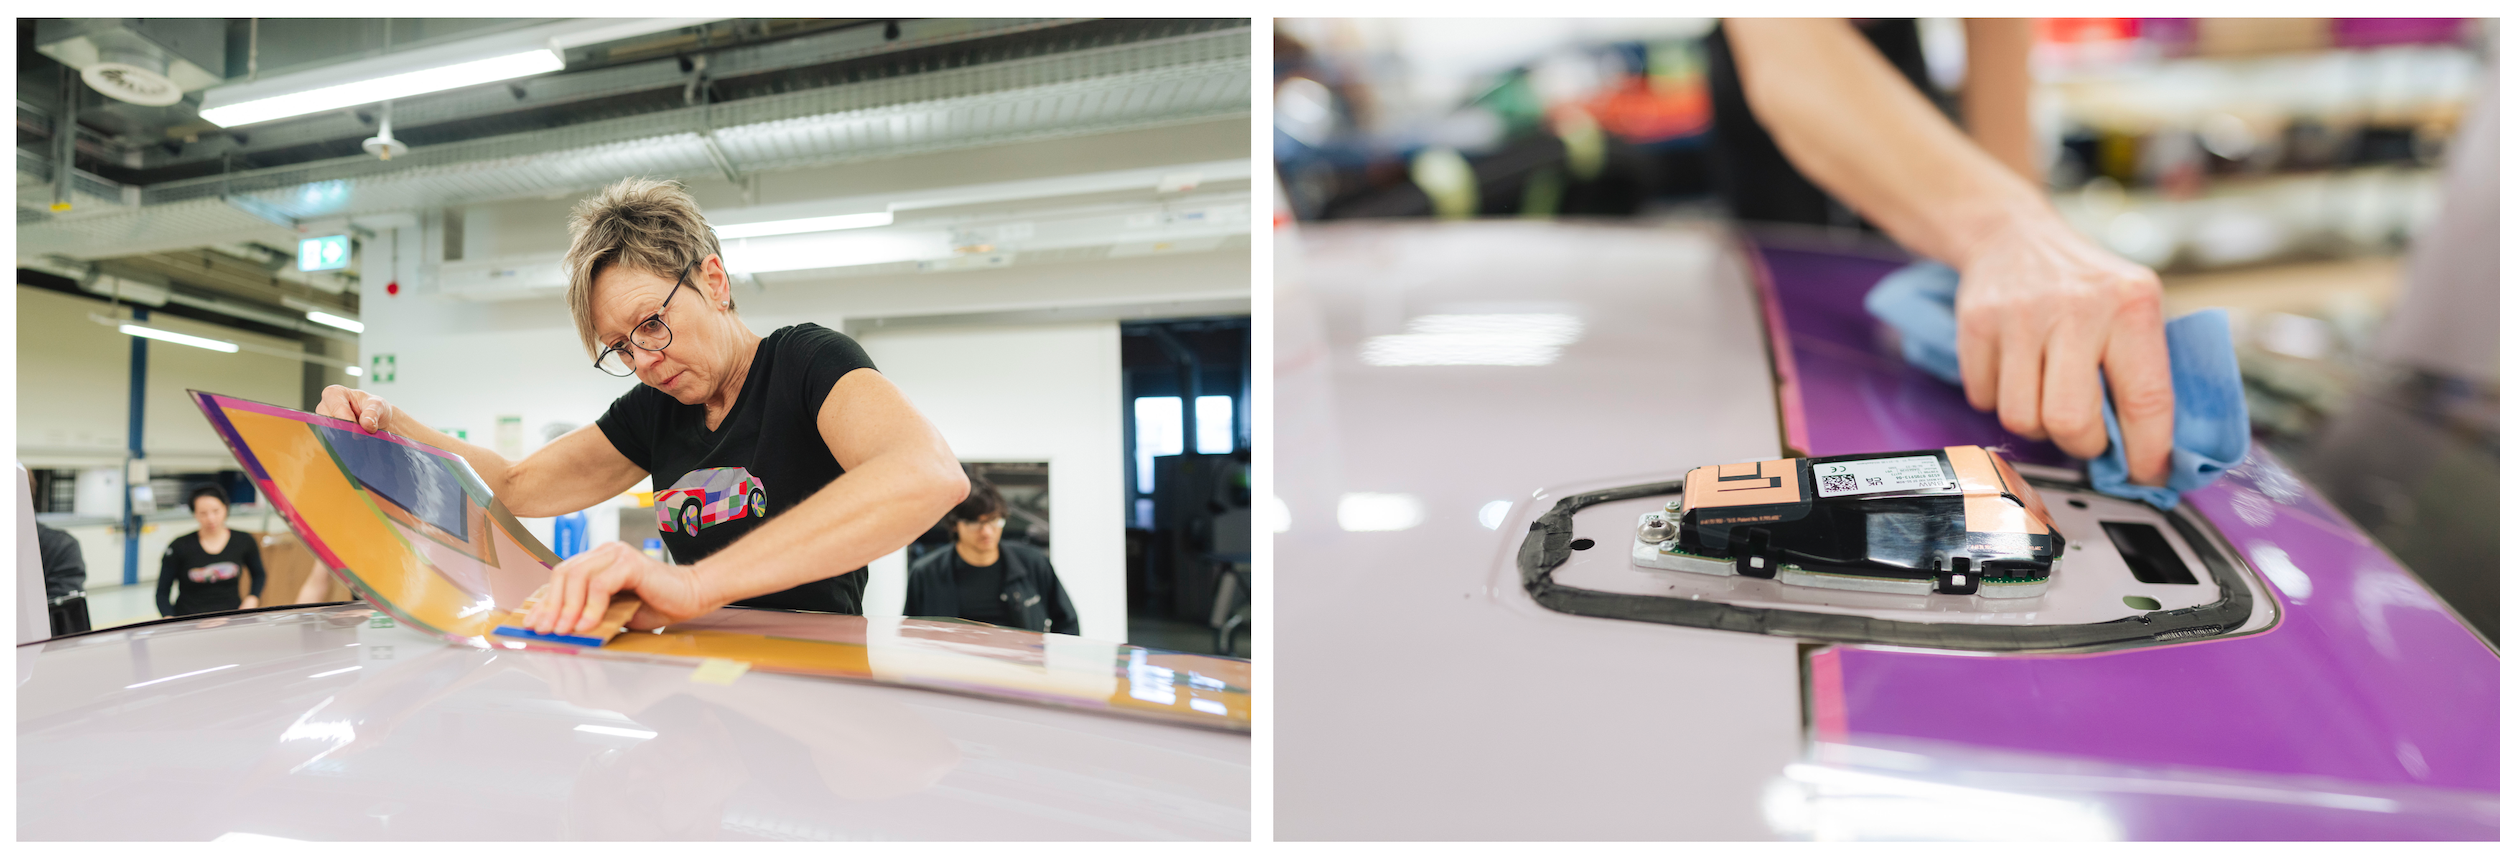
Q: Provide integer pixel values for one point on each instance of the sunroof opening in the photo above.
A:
(2148, 553)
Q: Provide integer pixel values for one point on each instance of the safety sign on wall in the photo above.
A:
(322, 253)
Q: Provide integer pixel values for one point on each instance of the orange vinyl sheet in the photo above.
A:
(405, 560)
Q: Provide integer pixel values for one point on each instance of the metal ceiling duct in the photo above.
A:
(1144, 84)
(145, 61)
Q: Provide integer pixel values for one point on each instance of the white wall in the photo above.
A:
(1030, 393)
(73, 386)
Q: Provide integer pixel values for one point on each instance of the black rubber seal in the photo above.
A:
(1549, 543)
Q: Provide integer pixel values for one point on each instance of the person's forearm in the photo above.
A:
(1855, 126)
(1996, 91)
(865, 514)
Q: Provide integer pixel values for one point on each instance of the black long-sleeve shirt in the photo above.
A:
(209, 582)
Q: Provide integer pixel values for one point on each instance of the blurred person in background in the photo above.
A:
(64, 564)
(206, 565)
(1806, 107)
(985, 579)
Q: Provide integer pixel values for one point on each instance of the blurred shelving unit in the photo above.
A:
(2191, 144)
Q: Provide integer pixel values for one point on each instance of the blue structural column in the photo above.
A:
(138, 450)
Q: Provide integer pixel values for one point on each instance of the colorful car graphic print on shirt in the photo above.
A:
(707, 497)
(224, 570)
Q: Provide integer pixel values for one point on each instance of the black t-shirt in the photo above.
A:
(980, 591)
(1753, 176)
(207, 582)
(711, 487)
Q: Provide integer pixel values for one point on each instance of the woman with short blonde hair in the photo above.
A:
(780, 464)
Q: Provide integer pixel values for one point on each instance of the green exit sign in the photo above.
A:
(314, 254)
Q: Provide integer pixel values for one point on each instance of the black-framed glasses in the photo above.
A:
(651, 334)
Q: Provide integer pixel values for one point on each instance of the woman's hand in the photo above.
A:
(577, 595)
(2042, 316)
(369, 411)
(251, 602)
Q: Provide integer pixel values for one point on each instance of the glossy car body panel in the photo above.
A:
(313, 723)
(1431, 701)
(2365, 711)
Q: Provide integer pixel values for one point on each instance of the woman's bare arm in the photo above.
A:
(2043, 313)
(1996, 91)
(898, 478)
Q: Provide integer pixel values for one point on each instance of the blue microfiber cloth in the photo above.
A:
(2210, 435)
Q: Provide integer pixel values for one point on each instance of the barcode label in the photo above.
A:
(1863, 477)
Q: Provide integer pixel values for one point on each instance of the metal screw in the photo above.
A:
(1653, 529)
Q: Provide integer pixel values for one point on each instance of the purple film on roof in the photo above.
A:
(2366, 677)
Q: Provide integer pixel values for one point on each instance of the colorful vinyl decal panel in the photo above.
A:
(416, 532)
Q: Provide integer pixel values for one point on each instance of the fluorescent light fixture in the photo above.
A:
(803, 226)
(402, 85)
(596, 729)
(354, 371)
(1379, 511)
(328, 319)
(179, 338)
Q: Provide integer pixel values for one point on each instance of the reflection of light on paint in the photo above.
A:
(1205, 684)
(337, 733)
(1379, 511)
(2253, 508)
(2378, 590)
(1203, 704)
(2410, 757)
(595, 729)
(1491, 514)
(335, 672)
(2278, 567)
(1839, 804)
(1278, 519)
(239, 836)
(181, 675)
(1148, 682)
(1475, 339)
